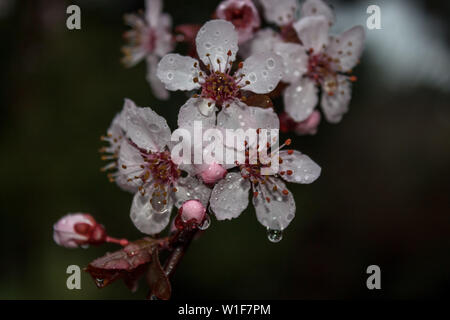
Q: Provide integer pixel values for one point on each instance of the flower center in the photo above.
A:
(220, 87)
(253, 170)
(159, 168)
(319, 67)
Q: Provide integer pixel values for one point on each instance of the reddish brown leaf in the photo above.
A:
(128, 263)
(157, 280)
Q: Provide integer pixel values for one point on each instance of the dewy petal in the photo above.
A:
(145, 127)
(317, 8)
(129, 167)
(313, 32)
(336, 105)
(177, 72)
(240, 116)
(277, 213)
(263, 71)
(280, 12)
(189, 113)
(300, 98)
(295, 60)
(157, 86)
(145, 218)
(302, 168)
(230, 196)
(216, 38)
(346, 48)
(153, 10)
(190, 188)
(264, 41)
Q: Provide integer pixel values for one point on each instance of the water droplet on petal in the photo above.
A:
(206, 223)
(159, 202)
(274, 236)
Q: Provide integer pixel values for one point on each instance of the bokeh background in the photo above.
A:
(383, 197)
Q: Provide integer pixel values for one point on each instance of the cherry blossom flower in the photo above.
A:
(145, 166)
(321, 62)
(242, 14)
(273, 202)
(217, 45)
(150, 38)
(78, 229)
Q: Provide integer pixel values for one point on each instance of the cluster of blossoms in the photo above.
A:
(229, 90)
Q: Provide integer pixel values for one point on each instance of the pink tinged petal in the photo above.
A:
(346, 48)
(156, 85)
(295, 60)
(278, 212)
(317, 8)
(248, 17)
(216, 38)
(230, 196)
(334, 106)
(300, 98)
(153, 10)
(280, 12)
(145, 127)
(177, 72)
(263, 71)
(313, 32)
(211, 173)
(309, 125)
(189, 113)
(64, 233)
(145, 218)
(190, 188)
(129, 167)
(193, 210)
(298, 167)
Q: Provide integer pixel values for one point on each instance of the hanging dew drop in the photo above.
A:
(274, 236)
(206, 223)
(159, 202)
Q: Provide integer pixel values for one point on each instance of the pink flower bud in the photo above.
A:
(211, 173)
(193, 210)
(308, 126)
(78, 229)
(242, 14)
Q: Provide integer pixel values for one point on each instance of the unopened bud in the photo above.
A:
(78, 229)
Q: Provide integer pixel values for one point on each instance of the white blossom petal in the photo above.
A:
(230, 196)
(278, 212)
(145, 127)
(300, 98)
(156, 85)
(191, 188)
(295, 60)
(129, 167)
(313, 32)
(177, 72)
(280, 12)
(216, 38)
(334, 106)
(317, 8)
(263, 41)
(153, 10)
(189, 113)
(263, 71)
(145, 218)
(302, 168)
(346, 48)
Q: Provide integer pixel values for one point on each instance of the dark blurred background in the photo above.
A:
(383, 197)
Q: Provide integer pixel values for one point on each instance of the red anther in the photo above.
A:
(288, 142)
(267, 199)
(285, 192)
(289, 172)
(255, 194)
(290, 151)
(353, 78)
(229, 53)
(240, 65)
